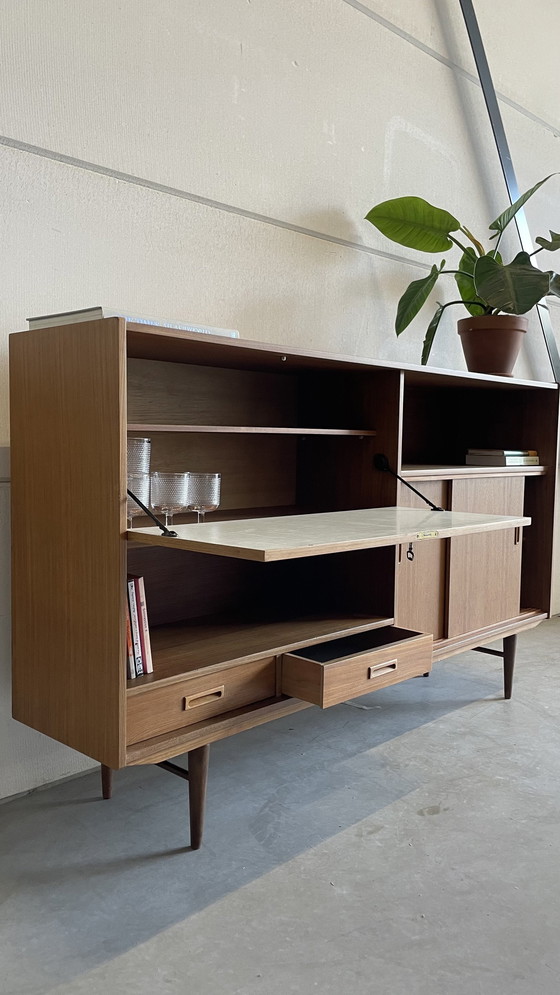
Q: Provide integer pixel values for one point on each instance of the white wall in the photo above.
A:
(213, 160)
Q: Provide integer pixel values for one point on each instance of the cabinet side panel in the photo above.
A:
(541, 427)
(68, 558)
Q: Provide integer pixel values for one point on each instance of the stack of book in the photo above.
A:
(95, 313)
(502, 457)
(138, 649)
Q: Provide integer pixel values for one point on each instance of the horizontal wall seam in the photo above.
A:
(216, 205)
(433, 54)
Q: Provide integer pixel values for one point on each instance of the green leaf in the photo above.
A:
(515, 288)
(414, 297)
(430, 333)
(465, 283)
(501, 223)
(551, 245)
(413, 222)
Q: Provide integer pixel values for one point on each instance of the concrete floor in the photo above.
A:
(407, 843)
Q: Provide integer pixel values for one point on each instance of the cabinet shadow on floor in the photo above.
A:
(274, 792)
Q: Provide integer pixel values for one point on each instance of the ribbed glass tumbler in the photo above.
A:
(169, 494)
(139, 484)
(204, 493)
(138, 455)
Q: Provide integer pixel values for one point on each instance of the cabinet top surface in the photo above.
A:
(146, 341)
(268, 539)
(169, 344)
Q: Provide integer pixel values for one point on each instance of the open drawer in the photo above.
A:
(331, 672)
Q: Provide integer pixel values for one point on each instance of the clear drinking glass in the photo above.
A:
(203, 493)
(139, 484)
(138, 455)
(169, 494)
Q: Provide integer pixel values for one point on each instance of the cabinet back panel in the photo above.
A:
(337, 473)
(176, 394)
(441, 424)
(182, 585)
(257, 470)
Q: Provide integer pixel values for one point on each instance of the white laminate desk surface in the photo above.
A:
(283, 538)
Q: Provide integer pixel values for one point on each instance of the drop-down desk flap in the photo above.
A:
(291, 536)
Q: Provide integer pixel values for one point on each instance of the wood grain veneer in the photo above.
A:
(347, 668)
(68, 476)
(484, 570)
(444, 648)
(175, 706)
(422, 582)
(257, 470)
(211, 730)
(191, 648)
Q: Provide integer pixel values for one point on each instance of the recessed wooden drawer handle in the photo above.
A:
(382, 668)
(204, 697)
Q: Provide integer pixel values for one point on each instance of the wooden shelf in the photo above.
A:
(270, 539)
(251, 430)
(444, 472)
(194, 646)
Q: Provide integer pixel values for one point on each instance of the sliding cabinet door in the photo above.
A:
(421, 582)
(484, 570)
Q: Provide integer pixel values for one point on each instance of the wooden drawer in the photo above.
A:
(162, 709)
(331, 672)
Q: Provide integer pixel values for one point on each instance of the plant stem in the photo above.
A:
(484, 308)
(457, 242)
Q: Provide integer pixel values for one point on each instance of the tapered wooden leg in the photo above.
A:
(106, 781)
(198, 779)
(510, 645)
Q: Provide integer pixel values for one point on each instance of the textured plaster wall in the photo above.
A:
(213, 160)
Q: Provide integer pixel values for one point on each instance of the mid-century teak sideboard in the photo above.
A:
(319, 579)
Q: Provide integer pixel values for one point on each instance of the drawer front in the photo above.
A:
(331, 682)
(163, 709)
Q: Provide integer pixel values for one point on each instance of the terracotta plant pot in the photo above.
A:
(491, 342)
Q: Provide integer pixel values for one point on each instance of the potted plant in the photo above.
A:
(493, 292)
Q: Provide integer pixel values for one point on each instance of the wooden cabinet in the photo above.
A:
(289, 594)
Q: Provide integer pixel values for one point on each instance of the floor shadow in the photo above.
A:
(83, 866)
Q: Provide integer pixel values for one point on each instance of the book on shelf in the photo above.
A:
(482, 460)
(134, 626)
(131, 666)
(140, 592)
(95, 313)
(502, 452)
